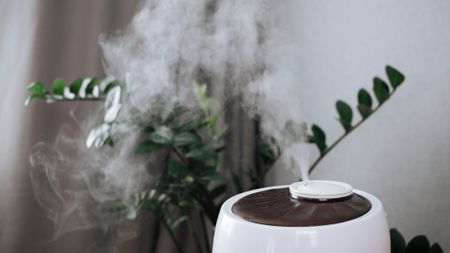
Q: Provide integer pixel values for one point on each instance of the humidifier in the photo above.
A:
(305, 217)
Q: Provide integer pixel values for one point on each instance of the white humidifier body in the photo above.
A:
(237, 233)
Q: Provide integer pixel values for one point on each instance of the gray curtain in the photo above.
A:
(59, 38)
(63, 42)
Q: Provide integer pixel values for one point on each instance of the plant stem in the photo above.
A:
(194, 234)
(179, 154)
(174, 239)
(205, 232)
(99, 99)
(207, 203)
(339, 140)
(155, 238)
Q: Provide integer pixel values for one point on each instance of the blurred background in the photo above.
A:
(401, 155)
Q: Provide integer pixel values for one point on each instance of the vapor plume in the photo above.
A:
(238, 47)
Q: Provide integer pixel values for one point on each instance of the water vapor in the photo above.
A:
(238, 47)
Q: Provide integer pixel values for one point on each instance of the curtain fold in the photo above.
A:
(42, 40)
(15, 50)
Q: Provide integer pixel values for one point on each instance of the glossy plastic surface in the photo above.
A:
(366, 234)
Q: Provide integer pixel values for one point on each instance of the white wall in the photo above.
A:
(17, 24)
(402, 154)
(15, 46)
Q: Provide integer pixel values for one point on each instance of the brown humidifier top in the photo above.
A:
(303, 204)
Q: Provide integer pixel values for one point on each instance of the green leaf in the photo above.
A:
(237, 182)
(31, 98)
(186, 203)
(110, 85)
(252, 174)
(364, 103)
(164, 112)
(162, 135)
(91, 85)
(319, 138)
(345, 114)
(176, 120)
(435, 249)
(116, 208)
(267, 154)
(177, 169)
(185, 138)
(418, 244)
(203, 100)
(58, 87)
(196, 122)
(213, 118)
(36, 88)
(174, 224)
(147, 146)
(149, 129)
(397, 242)
(202, 153)
(199, 89)
(218, 190)
(381, 90)
(364, 111)
(76, 85)
(294, 131)
(132, 214)
(211, 175)
(395, 77)
(364, 98)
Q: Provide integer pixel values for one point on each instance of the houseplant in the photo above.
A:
(191, 184)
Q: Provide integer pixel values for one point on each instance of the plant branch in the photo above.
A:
(340, 139)
(195, 236)
(179, 154)
(205, 232)
(53, 100)
(174, 239)
(155, 237)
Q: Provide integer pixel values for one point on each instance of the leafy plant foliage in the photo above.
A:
(192, 183)
(382, 93)
(79, 89)
(418, 244)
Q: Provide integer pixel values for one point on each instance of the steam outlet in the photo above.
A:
(321, 190)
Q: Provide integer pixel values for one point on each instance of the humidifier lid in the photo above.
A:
(320, 190)
(303, 204)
